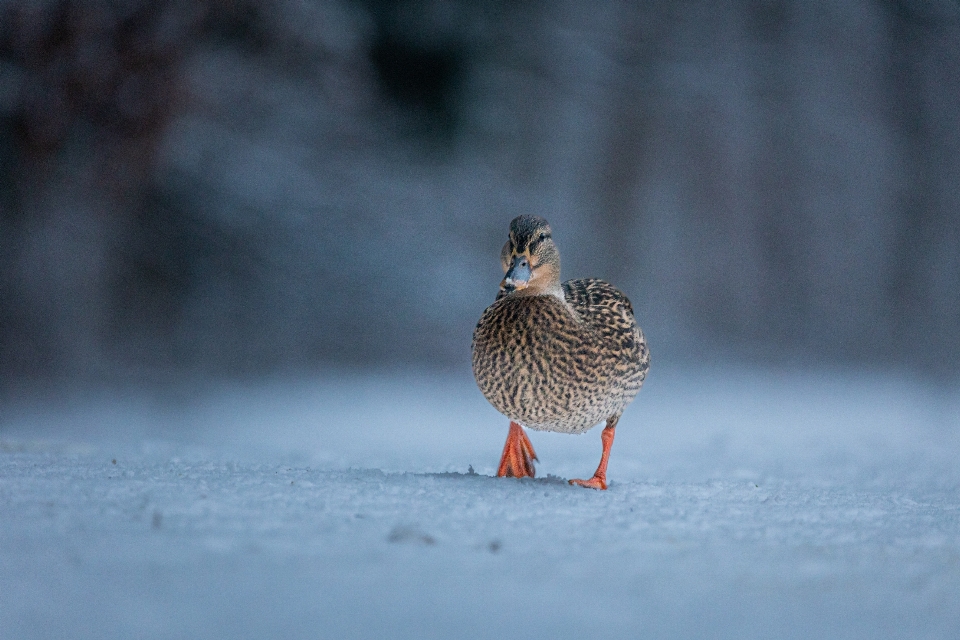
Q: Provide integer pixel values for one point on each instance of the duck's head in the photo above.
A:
(530, 259)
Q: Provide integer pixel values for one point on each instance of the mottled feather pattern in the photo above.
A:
(561, 365)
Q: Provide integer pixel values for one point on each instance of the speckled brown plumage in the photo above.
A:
(556, 357)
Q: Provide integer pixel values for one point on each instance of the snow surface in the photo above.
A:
(760, 504)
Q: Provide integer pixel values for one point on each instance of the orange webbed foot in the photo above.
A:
(599, 479)
(518, 455)
(596, 482)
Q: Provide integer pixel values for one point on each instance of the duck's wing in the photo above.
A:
(607, 312)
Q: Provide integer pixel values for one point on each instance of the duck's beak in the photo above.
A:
(518, 275)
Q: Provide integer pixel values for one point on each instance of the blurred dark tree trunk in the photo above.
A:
(623, 161)
(781, 226)
(924, 317)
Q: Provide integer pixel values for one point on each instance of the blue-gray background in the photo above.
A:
(235, 188)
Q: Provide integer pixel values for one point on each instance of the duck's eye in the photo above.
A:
(543, 236)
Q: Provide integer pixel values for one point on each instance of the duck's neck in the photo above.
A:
(551, 288)
(555, 290)
(547, 282)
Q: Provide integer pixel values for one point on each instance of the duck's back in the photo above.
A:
(561, 365)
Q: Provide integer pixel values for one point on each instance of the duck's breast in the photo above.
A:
(540, 362)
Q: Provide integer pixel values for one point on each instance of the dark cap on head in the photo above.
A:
(527, 231)
(527, 225)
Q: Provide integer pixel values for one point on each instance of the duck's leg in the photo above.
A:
(518, 455)
(599, 479)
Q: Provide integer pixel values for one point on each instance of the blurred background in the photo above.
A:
(193, 188)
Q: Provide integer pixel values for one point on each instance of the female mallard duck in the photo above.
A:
(552, 356)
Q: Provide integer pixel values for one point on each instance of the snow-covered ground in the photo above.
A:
(761, 504)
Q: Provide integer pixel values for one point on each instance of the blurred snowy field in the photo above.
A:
(767, 503)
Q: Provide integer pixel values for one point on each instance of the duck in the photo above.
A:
(555, 356)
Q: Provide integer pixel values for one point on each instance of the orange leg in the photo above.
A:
(518, 455)
(599, 479)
